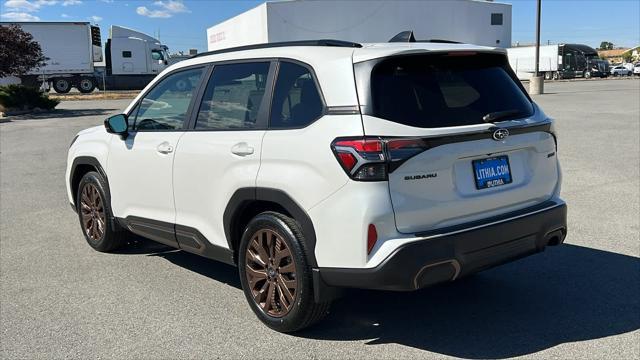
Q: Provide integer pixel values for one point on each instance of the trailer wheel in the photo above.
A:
(86, 85)
(555, 75)
(61, 85)
(547, 75)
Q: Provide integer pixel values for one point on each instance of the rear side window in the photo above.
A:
(233, 97)
(296, 99)
(432, 91)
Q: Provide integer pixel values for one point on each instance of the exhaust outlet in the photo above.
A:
(556, 237)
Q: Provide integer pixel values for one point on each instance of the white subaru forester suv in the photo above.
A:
(316, 166)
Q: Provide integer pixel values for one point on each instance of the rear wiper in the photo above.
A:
(496, 115)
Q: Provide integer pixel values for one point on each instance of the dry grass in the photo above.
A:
(96, 95)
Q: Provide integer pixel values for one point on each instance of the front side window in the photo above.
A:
(233, 97)
(296, 99)
(156, 55)
(165, 107)
(431, 91)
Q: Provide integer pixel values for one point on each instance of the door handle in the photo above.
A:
(242, 149)
(164, 148)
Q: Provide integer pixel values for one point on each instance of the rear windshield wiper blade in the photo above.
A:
(497, 115)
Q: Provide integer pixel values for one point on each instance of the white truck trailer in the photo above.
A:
(558, 61)
(477, 22)
(72, 50)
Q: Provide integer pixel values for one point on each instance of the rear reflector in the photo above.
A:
(372, 237)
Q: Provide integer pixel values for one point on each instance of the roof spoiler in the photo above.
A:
(407, 36)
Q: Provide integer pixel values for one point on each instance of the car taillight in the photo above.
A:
(372, 158)
(401, 150)
(362, 158)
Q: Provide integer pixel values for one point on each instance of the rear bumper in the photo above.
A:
(456, 252)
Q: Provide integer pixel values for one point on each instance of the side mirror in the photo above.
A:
(117, 124)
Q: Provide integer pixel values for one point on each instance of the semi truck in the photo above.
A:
(73, 52)
(561, 61)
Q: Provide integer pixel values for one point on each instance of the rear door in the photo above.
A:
(221, 151)
(448, 165)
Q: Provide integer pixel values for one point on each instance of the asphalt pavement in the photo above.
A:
(59, 298)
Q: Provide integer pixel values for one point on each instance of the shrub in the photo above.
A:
(19, 97)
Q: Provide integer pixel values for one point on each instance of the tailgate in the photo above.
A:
(438, 187)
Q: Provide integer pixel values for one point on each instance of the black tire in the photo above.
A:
(547, 75)
(555, 75)
(303, 311)
(112, 236)
(61, 85)
(86, 85)
(587, 74)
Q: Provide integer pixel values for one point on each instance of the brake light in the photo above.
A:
(372, 158)
(347, 160)
(401, 150)
(362, 158)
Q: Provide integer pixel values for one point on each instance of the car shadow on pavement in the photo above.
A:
(568, 293)
(137, 245)
(215, 270)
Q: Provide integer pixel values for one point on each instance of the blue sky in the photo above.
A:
(182, 24)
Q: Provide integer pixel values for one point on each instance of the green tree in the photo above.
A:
(19, 53)
(606, 45)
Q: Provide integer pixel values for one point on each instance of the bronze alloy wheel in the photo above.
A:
(271, 273)
(92, 212)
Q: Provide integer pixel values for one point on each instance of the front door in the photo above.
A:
(139, 168)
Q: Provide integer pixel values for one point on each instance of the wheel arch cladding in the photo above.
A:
(248, 202)
(82, 165)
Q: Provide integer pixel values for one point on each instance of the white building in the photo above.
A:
(470, 21)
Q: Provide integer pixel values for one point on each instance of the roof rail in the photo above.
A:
(322, 42)
(407, 36)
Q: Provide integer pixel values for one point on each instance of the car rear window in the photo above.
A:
(432, 91)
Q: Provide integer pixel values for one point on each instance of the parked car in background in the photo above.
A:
(636, 69)
(628, 66)
(620, 70)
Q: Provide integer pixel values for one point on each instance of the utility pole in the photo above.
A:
(536, 84)
(538, 38)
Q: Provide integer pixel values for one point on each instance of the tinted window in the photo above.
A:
(165, 106)
(431, 91)
(156, 55)
(126, 54)
(496, 19)
(296, 99)
(233, 97)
